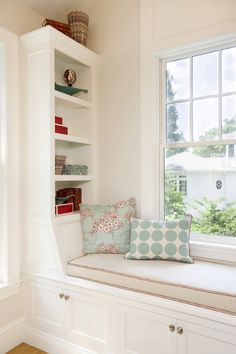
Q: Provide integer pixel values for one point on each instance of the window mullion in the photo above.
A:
(163, 106)
(163, 140)
(191, 99)
(220, 94)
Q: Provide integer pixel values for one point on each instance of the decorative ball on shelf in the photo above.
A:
(69, 77)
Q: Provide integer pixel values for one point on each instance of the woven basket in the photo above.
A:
(78, 22)
(59, 164)
(78, 16)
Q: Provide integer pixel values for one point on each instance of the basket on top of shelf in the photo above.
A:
(59, 164)
(78, 22)
(60, 26)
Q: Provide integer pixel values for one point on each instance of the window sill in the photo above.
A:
(8, 290)
(213, 251)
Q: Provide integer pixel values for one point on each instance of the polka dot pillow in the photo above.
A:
(153, 239)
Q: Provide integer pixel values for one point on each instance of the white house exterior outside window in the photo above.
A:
(198, 139)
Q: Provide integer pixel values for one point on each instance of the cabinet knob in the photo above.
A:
(66, 297)
(61, 296)
(180, 330)
(172, 327)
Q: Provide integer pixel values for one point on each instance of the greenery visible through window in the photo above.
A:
(200, 140)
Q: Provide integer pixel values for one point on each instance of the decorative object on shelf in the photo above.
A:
(58, 120)
(78, 22)
(75, 196)
(69, 77)
(64, 208)
(69, 90)
(75, 170)
(60, 26)
(63, 200)
(106, 228)
(59, 164)
(59, 127)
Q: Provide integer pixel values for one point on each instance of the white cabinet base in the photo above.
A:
(74, 316)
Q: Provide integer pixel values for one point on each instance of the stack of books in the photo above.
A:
(75, 197)
(59, 127)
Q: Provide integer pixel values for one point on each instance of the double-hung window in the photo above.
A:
(198, 140)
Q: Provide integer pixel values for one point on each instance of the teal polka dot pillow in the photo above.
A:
(153, 239)
(106, 228)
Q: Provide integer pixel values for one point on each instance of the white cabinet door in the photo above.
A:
(46, 308)
(90, 322)
(145, 332)
(197, 339)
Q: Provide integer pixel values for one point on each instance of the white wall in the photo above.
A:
(17, 17)
(114, 34)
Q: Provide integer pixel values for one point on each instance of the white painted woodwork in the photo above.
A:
(144, 332)
(9, 158)
(199, 339)
(48, 309)
(90, 324)
(73, 178)
(72, 139)
(71, 101)
(103, 319)
(45, 55)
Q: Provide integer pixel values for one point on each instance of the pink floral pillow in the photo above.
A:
(106, 228)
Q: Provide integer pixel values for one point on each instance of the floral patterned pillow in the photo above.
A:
(106, 228)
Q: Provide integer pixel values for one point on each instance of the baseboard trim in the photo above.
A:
(51, 344)
(11, 335)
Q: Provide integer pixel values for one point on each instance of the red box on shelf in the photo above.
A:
(60, 129)
(58, 120)
(67, 208)
(76, 199)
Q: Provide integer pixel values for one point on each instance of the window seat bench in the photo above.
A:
(203, 284)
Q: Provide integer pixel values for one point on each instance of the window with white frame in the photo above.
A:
(198, 143)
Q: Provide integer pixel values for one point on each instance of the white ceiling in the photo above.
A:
(58, 9)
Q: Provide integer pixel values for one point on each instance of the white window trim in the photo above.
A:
(10, 177)
(8, 290)
(202, 246)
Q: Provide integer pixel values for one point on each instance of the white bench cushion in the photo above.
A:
(203, 284)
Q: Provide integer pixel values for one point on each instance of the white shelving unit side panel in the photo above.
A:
(37, 69)
(50, 243)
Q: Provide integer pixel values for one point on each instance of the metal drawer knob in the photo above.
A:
(66, 297)
(172, 327)
(180, 330)
(61, 296)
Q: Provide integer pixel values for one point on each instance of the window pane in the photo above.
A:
(213, 205)
(205, 119)
(229, 70)
(205, 74)
(177, 129)
(177, 79)
(229, 117)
